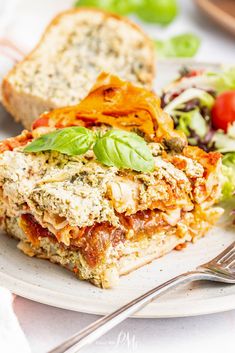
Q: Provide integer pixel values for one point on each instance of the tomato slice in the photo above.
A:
(223, 111)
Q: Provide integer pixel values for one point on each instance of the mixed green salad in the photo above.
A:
(202, 104)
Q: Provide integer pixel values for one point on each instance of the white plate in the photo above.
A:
(50, 284)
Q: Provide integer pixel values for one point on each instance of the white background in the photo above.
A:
(46, 326)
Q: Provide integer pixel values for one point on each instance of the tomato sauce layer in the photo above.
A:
(94, 240)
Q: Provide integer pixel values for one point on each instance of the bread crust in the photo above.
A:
(20, 104)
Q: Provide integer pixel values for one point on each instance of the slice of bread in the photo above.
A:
(75, 48)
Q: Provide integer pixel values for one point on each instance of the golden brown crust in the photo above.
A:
(119, 104)
(209, 160)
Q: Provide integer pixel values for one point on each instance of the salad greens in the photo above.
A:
(189, 101)
(193, 120)
(217, 82)
(225, 142)
(154, 11)
(189, 114)
(204, 98)
(228, 175)
(223, 81)
(117, 148)
(183, 45)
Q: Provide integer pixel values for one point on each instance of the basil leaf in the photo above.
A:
(124, 149)
(71, 141)
(115, 148)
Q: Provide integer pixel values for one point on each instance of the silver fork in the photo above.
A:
(220, 269)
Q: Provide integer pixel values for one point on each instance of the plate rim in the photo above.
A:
(56, 299)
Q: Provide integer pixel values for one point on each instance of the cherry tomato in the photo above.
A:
(223, 111)
(43, 121)
(194, 73)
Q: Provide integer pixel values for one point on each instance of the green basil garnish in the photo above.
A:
(71, 141)
(117, 148)
(124, 150)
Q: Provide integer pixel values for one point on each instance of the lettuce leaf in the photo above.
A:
(225, 142)
(228, 176)
(192, 120)
(205, 99)
(222, 81)
(207, 80)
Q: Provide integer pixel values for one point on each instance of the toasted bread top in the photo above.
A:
(76, 46)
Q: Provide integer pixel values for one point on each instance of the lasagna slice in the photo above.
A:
(103, 222)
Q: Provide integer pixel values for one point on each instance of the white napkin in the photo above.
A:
(12, 338)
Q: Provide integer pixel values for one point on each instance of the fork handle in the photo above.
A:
(98, 328)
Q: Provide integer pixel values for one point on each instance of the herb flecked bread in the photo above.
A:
(75, 48)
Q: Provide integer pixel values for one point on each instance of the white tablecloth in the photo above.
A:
(46, 326)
